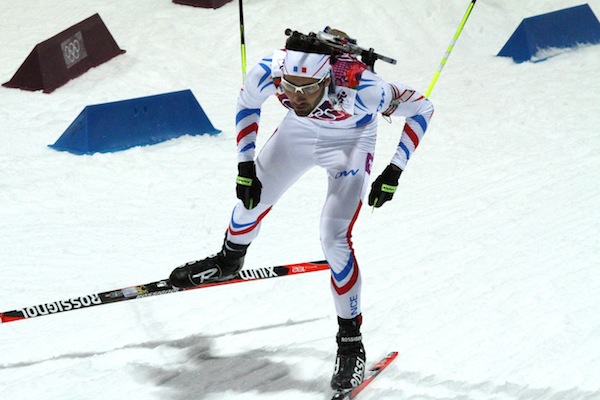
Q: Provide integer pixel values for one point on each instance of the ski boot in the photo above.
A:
(350, 361)
(220, 267)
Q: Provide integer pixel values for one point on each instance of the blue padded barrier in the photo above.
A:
(540, 37)
(123, 124)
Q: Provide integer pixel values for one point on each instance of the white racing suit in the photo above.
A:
(339, 136)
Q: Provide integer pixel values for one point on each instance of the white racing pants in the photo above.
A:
(346, 154)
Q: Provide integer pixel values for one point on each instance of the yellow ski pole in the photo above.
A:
(445, 58)
(243, 41)
(450, 47)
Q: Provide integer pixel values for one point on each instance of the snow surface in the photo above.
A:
(482, 272)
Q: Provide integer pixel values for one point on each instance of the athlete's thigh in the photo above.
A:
(284, 158)
(347, 184)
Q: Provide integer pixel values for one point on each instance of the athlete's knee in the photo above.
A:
(333, 234)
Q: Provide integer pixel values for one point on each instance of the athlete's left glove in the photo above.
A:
(248, 187)
(384, 187)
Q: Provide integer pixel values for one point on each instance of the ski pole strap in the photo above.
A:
(241, 180)
(388, 188)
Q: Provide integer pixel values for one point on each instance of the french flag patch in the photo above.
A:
(303, 69)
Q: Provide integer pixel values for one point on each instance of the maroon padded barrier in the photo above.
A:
(65, 56)
(202, 3)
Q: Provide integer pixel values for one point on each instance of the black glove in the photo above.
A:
(248, 187)
(384, 187)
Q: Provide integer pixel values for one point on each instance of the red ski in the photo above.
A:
(371, 374)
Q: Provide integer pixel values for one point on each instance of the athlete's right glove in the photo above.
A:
(248, 187)
(384, 187)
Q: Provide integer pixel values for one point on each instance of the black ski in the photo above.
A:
(153, 289)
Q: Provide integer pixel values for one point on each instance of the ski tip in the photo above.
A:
(4, 317)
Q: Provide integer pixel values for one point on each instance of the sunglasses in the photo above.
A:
(311, 88)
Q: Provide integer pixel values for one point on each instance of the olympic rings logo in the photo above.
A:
(72, 51)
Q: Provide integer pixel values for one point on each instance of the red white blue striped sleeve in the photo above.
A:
(417, 110)
(257, 88)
